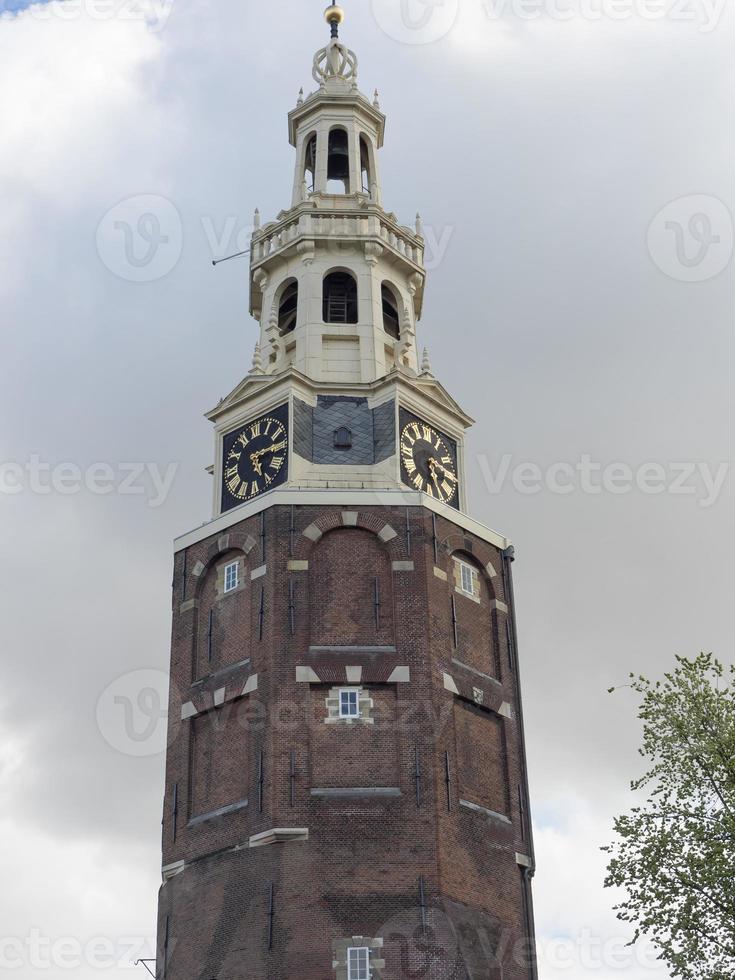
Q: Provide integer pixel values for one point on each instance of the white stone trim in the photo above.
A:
(251, 684)
(258, 572)
(349, 518)
(387, 534)
(219, 696)
(492, 814)
(500, 606)
(313, 533)
(169, 871)
(440, 573)
(449, 684)
(524, 860)
(188, 711)
(307, 675)
(401, 675)
(279, 835)
(478, 673)
(295, 565)
(506, 710)
(337, 497)
(353, 674)
(403, 566)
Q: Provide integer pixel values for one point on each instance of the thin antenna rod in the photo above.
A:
(228, 257)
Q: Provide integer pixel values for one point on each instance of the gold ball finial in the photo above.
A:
(334, 14)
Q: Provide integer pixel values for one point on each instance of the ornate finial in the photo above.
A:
(257, 367)
(334, 16)
(419, 226)
(256, 219)
(376, 100)
(426, 363)
(300, 100)
(336, 61)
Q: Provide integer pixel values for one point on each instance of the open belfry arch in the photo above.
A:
(346, 785)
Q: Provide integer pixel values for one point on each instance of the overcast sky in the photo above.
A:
(544, 143)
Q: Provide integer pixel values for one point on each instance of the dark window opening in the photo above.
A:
(288, 308)
(340, 298)
(338, 163)
(391, 320)
(343, 438)
(365, 166)
(310, 163)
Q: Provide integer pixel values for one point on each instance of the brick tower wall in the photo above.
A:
(288, 830)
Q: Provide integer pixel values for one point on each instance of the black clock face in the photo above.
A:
(428, 460)
(255, 458)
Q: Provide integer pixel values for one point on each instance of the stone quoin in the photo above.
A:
(346, 789)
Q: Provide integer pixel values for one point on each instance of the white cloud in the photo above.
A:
(578, 933)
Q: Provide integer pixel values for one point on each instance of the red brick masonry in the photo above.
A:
(409, 826)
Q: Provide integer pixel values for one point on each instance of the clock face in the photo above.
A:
(429, 460)
(255, 458)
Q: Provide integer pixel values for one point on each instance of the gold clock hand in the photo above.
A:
(255, 457)
(448, 473)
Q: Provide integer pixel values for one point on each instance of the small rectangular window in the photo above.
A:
(349, 703)
(232, 576)
(469, 579)
(358, 963)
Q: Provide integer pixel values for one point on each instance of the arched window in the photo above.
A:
(340, 298)
(338, 163)
(391, 320)
(288, 308)
(365, 166)
(310, 163)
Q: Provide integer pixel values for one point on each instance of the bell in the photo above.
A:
(338, 166)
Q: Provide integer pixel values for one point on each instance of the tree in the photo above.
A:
(674, 855)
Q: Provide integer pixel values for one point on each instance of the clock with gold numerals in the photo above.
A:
(255, 458)
(428, 460)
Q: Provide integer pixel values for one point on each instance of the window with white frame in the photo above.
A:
(232, 576)
(469, 579)
(358, 963)
(349, 703)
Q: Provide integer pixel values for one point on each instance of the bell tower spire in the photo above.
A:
(336, 281)
(337, 288)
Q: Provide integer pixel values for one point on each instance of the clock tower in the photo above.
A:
(346, 786)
